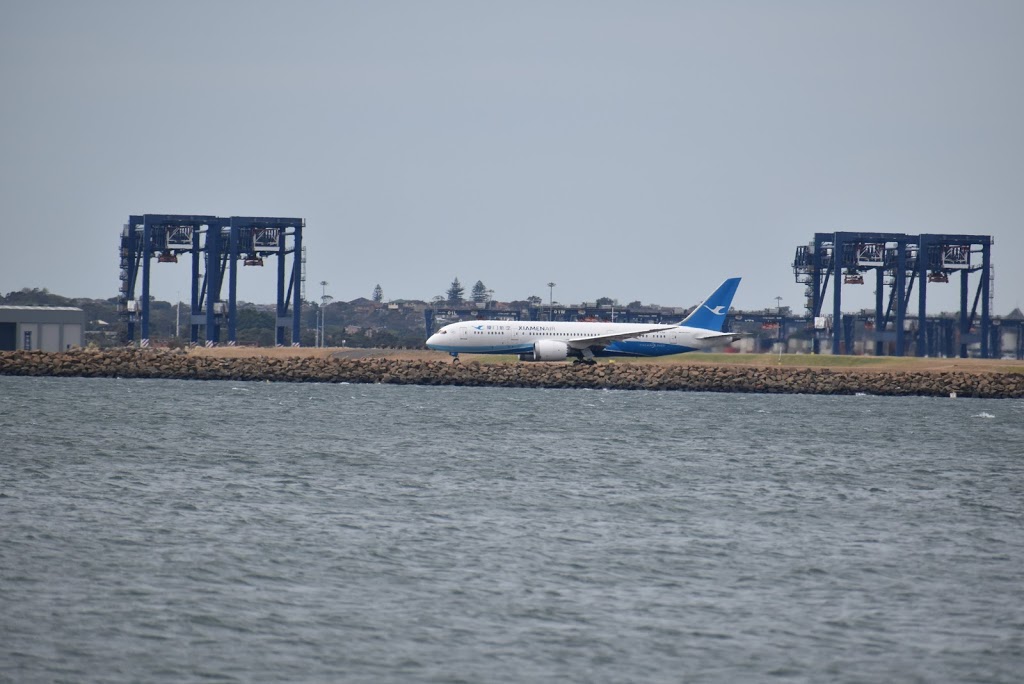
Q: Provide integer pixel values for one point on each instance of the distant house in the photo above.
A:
(362, 305)
(407, 305)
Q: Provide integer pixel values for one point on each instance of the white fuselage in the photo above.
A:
(521, 337)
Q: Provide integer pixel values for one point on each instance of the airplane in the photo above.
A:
(585, 340)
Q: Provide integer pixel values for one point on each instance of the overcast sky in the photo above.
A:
(635, 150)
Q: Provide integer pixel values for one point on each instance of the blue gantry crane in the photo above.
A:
(898, 261)
(216, 246)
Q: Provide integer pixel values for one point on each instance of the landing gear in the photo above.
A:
(455, 357)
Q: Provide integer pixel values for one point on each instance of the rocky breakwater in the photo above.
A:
(133, 363)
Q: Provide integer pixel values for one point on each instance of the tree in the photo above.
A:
(250, 318)
(605, 301)
(35, 297)
(455, 292)
(635, 305)
(535, 300)
(480, 292)
(378, 294)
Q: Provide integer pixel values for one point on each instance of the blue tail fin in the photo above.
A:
(711, 313)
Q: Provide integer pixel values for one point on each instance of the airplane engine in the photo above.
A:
(550, 350)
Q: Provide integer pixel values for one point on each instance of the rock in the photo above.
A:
(148, 363)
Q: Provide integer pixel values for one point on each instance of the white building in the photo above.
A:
(47, 328)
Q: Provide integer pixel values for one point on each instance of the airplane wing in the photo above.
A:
(723, 336)
(606, 339)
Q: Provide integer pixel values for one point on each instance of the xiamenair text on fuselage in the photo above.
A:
(584, 340)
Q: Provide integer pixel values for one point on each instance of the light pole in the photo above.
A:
(320, 314)
(551, 301)
(325, 300)
(778, 313)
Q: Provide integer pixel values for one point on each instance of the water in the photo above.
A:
(168, 531)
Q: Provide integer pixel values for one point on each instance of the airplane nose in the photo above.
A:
(432, 340)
